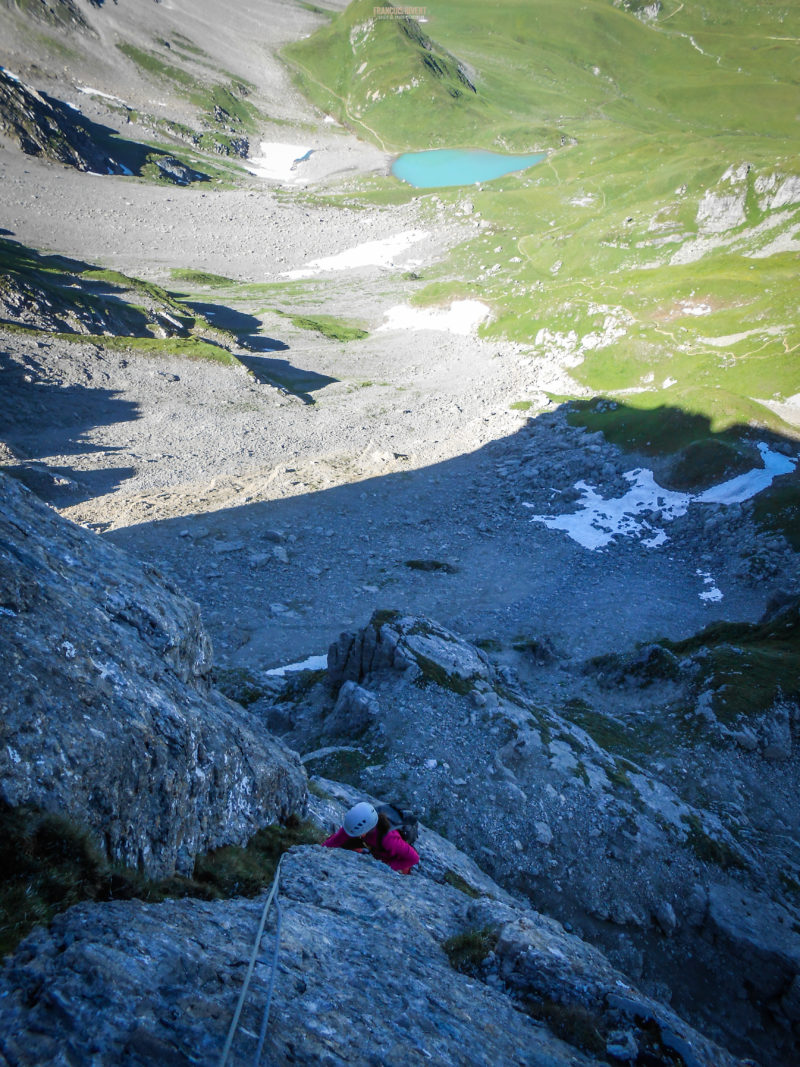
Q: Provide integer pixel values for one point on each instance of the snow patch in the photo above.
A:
(278, 162)
(462, 317)
(712, 593)
(380, 253)
(87, 89)
(313, 663)
(745, 486)
(599, 521)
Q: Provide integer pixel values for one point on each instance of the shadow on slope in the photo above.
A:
(31, 403)
(42, 125)
(283, 375)
(485, 563)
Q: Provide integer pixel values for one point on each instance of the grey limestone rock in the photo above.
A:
(356, 708)
(777, 734)
(395, 642)
(764, 935)
(108, 714)
(362, 979)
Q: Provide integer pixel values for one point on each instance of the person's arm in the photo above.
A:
(337, 840)
(402, 855)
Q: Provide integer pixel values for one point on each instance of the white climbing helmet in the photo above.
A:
(360, 819)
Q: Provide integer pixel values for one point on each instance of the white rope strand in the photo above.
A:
(265, 1020)
(251, 966)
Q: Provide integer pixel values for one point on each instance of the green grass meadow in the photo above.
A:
(641, 118)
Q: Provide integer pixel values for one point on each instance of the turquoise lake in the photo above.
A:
(458, 166)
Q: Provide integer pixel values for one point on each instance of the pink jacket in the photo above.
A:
(393, 850)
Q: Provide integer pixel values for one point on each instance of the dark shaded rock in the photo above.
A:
(44, 126)
(431, 565)
(107, 711)
(173, 170)
(650, 663)
(355, 710)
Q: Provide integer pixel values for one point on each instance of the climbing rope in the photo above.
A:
(251, 966)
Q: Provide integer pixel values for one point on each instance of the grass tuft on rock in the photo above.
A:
(579, 1026)
(468, 950)
(455, 880)
(48, 863)
(749, 667)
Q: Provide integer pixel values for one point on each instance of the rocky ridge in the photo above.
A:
(43, 126)
(656, 834)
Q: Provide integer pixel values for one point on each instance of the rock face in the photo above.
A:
(363, 978)
(107, 712)
(597, 818)
(44, 126)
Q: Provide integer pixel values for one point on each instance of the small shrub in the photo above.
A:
(468, 950)
(235, 871)
(489, 644)
(540, 650)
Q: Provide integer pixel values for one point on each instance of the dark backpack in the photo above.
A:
(406, 824)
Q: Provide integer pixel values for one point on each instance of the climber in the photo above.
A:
(364, 828)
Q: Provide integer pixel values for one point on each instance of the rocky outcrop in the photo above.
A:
(63, 14)
(44, 126)
(364, 976)
(107, 712)
(418, 646)
(623, 822)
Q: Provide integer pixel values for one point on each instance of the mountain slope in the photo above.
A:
(385, 76)
(654, 254)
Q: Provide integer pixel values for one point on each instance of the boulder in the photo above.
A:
(107, 712)
(764, 935)
(355, 710)
(392, 641)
